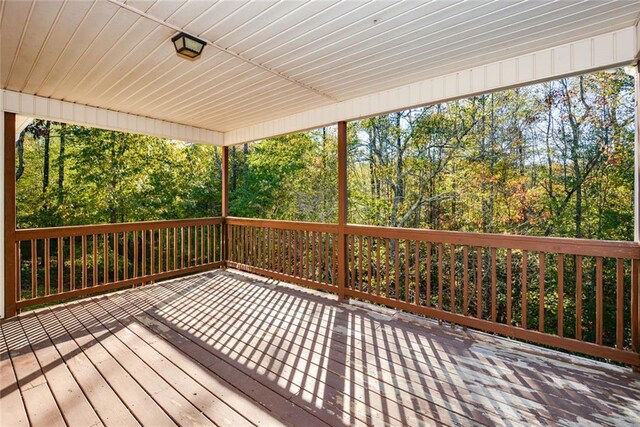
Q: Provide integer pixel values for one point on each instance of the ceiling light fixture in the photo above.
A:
(188, 46)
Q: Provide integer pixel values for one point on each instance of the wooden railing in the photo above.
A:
(64, 262)
(574, 294)
(298, 252)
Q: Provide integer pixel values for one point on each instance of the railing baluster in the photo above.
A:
(396, 271)
(215, 246)
(387, 266)
(440, 277)
(416, 267)
(351, 248)
(34, 268)
(285, 252)
(327, 257)
(465, 280)
(60, 284)
(525, 266)
(161, 251)
(196, 246)
(428, 291)
(18, 272)
(115, 257)
(406, 270)
(541, 291)
(208, 233)
(360, 256)
(47, 267)
(135, 254)
(560, 295)
(251, 247)
(255, 242)
(369, 263)
(478, 282)
(296, 258)
(72, 260)
(94, 269)
(189, 246)
(144, 253)
(271, 248)
(599, 302)
(619, 303)
(579, 297)
(152, 249)
(84, 261)
(182, 247)
(379, 271)
(105, 259)
(509, 288)
(201, 246)
(167, 251)
(494, 292)
(276, 250)
(125, 254)
(306, 247)
(452, 278)
(262, 254)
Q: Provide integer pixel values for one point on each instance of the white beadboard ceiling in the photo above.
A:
(268, 60)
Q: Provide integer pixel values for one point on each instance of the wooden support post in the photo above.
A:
(225, 205)
(636, 176)
(9, 214)
(343, 266)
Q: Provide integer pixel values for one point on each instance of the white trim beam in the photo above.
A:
(79, 114)
(608, 50)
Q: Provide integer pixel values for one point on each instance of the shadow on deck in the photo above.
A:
(229, 348)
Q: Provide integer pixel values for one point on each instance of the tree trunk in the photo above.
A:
(234, 170)
(20, 153)
(45, 169)
(245, 165)
(61, 158)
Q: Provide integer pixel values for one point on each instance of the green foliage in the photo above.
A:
(115, 177)
(550, 159)
(292, 177)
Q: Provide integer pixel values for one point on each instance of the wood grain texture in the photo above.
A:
(230, 348)
(11, 293)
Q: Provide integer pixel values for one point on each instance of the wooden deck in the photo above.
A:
(227, 348)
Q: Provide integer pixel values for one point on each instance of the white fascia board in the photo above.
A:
(599, 52)
(84, 115)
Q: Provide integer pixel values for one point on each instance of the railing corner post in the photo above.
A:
(225, 206)
(10, 264)
(342, 211)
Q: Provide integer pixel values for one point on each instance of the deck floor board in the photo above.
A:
(229, 348)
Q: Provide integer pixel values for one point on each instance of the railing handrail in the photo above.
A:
(470, 279)
(561, 245)
(320, 227)
(86, 230)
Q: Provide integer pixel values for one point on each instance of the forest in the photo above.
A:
(552, 159)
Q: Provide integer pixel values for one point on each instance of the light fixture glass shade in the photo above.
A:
(187, 45)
